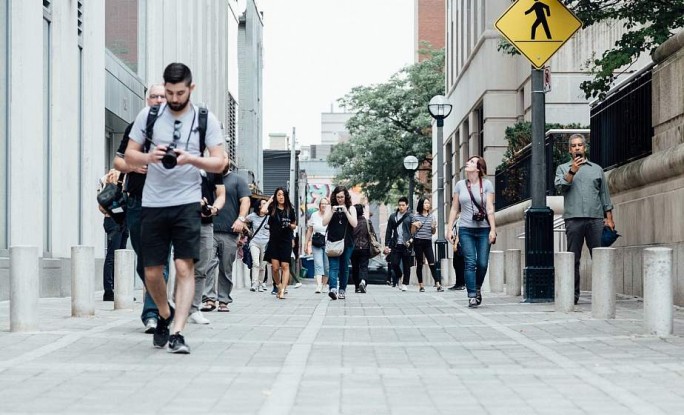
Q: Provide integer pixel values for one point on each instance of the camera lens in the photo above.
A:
(170, 159)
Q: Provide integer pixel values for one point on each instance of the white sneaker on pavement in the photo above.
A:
(319, 288)
(198, 318)
(262, 287)
(404, 287)
(254, 286)
(297, 285)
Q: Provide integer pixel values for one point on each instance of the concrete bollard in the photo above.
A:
(658, 291)
(512, 272)
(82, 282)
(564, 283)
(24, 288)
(447, 272)
(124, 275)
(603, 283)
(496, 271)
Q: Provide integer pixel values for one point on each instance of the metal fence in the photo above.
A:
(621, 127)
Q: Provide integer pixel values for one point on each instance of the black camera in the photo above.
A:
(479, 216)
(338, 208)
(206, 210)
(170, 159)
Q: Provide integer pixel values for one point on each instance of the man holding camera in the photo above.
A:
(587, 205)
(399, 239)
(170, 204)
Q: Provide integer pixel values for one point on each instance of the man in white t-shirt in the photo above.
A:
(171, 196)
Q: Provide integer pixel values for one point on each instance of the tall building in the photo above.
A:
(429, 26)
(278, 141)
(334, 128)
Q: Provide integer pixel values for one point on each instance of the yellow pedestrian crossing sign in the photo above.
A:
(538, 28)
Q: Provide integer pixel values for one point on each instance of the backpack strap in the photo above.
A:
(202, 127)
(149, 127)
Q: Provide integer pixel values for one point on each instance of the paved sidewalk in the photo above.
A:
(384, 352)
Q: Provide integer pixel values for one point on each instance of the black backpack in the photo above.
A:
(201, 126)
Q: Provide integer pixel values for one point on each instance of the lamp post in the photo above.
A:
(440, 108)
(411, 164)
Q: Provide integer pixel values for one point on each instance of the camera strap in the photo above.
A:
(473, 201)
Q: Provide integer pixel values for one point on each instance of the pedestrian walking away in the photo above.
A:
(361, 253)
(315, 245)
(422, 242)
(282, 220)
(135, 182)
(474, 201)
(398, 240)
(340, 217)
(586, 202)
(170, 205)
(458, 261)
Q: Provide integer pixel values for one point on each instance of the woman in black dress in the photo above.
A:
(282, 220)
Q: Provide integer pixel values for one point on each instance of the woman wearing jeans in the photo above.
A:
(474, 199)
(316, 227)
(340, 218)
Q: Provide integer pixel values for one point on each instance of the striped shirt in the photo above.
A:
(425, 231)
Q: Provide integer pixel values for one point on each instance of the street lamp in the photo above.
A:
(440, 108)
(411, 164)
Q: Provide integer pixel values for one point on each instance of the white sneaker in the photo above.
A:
(319, 288)
(198, 318)
(403, 287)
(297, 285)
(262, 287)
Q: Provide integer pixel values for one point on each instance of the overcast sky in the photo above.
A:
(315, 51)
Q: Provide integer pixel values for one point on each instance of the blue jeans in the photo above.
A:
(321, 264)
(339, 267)
(475, 246)
(134, 208)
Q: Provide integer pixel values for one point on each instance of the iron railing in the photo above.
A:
(621, 127)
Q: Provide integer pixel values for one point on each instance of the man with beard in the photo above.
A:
(170, 204)
(134, 190)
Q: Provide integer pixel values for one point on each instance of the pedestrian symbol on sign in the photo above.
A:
(539, 8)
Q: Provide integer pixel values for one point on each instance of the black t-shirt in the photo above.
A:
(279, 225)
(339, 228)
(135, 181)
(209, 183)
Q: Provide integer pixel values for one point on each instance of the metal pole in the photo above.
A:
(411, 188)
(441, 242)
(292, 189)
(538, 175)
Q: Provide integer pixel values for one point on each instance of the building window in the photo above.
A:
(480, 129)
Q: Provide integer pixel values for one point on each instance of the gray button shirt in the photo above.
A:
(587, 195)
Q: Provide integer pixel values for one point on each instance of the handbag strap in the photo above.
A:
(472, 198)
(258, 229)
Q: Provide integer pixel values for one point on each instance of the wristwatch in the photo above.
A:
(242, 219)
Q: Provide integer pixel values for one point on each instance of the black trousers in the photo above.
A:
(423, 250)
(459, 267)
(359, 263)
(579, 230)
(117, 237)
(401, 260)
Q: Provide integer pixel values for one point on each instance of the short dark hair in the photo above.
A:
(177, 72)
(403, 199)
(421, 205)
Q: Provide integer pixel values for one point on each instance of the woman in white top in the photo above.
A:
(316, 231)
(257, 245)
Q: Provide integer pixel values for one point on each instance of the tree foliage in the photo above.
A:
(390, 122)
(648, 24)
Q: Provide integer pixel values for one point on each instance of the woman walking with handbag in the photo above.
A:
(474, 199)
(340, 218)
(282, 220)
(361, 253)
(315, 237)
(257, 245)
(422, 242)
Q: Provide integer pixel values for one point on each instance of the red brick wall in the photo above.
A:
(430, 27)
(121, 30)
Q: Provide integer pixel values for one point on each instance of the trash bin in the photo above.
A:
(308, 264)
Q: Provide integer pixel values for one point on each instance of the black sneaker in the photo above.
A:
(422, 289)
(453, 288)
(161, 333)
(177, 344)
(478, 297)
(440, 289)
(357, 290)
(362, 286)
(460, 287)
(108, 296)
(333, 294)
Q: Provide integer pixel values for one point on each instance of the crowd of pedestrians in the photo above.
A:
(186, 208)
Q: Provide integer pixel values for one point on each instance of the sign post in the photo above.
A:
(538, 28)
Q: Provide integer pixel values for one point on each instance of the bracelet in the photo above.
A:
(572, 173)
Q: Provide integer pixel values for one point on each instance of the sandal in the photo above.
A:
(209, 305)
(223, 308)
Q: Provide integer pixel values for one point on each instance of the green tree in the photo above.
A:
(390, 122)
(648, 22)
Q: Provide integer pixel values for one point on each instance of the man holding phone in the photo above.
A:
(587, 205)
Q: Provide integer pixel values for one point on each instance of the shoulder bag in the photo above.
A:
(335, 248)
(375, 247)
